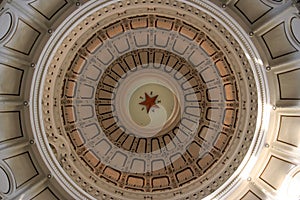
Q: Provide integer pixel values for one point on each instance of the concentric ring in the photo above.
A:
(213, 83)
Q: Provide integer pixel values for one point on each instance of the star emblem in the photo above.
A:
(149, 102)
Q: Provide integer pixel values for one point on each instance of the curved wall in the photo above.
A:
(273, 28)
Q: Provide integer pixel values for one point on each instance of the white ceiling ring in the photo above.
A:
(55, 122)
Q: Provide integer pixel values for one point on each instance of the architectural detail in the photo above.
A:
(13, 88)
(24, 160)
(11, 121)
(280, 167)
(29, 35)
(48, 9)
(149, 102)
(286, 134)
(278, 33)
(287, 80)
(253, 15)
(149, 99)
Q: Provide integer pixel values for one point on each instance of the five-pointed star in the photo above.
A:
(149, 102)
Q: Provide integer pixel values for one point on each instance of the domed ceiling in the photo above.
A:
(149, 99)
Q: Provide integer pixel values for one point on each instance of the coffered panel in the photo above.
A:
(275, 171)
(289, 84)
(252, 10)
(48, 8)
(250, 196)
(289, 131)
(23, 38)
(22, 167)
(47, 193)
(277, 37)
(10, 126)
(7, 74)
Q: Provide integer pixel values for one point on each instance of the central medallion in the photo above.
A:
(149, 102)
(151, 105)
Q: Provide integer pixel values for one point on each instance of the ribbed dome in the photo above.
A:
(149, 99)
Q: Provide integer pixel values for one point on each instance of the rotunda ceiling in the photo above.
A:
(149, 99)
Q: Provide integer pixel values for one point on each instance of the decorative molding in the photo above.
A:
(6, 21)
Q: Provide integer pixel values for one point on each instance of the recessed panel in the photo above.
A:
(45, 194)
(277, 42)
(86, 91)
(24, 38)
(275, 172)
(48, 8)
(250, 196)
(289, 85)
(22, 167)
(289, 131)
(252, 9)
(7, 74)
(10, 126)
(141, 38)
